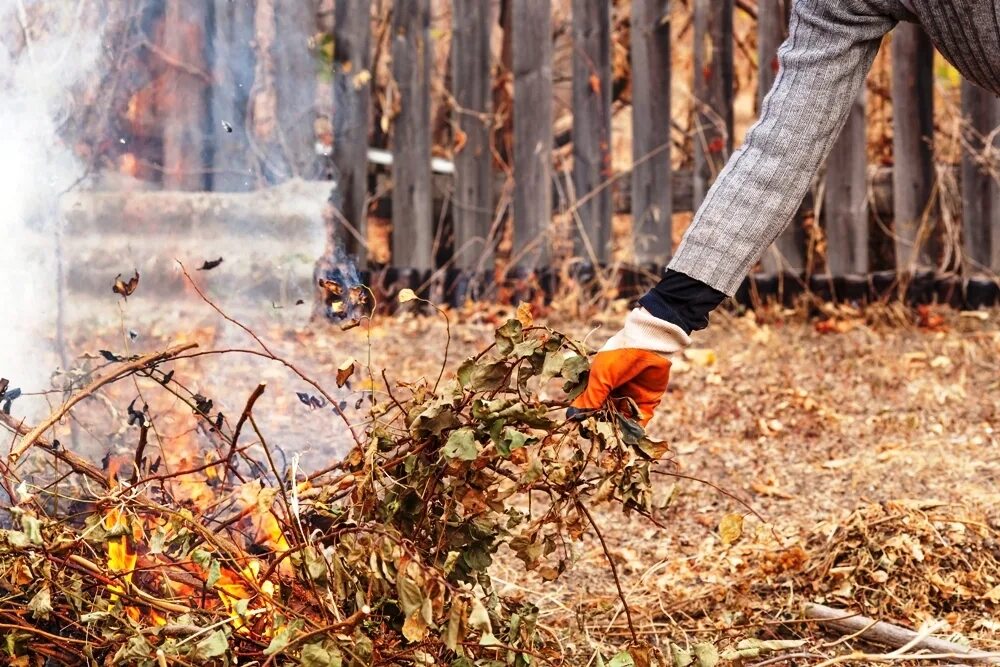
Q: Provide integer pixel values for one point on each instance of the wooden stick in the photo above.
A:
(125, 369)
(887, 634)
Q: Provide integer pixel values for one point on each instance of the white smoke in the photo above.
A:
(45, 50)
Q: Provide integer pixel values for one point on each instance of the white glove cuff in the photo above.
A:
(646, 332)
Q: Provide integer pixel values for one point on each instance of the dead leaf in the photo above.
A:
(126, 288)
(524, 314)
(415, 627)
(406, 294)
(731, 528)
(344, 372)
(208, 265)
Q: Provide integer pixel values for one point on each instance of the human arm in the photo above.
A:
(823, 65)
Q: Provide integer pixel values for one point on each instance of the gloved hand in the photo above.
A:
(633, 364)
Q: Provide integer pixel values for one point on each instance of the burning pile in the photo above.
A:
(380, 558)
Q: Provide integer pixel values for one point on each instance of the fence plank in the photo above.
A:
(592, 125)
(283, 109)
(788, 251)
(531, 25)
(713, 91)
(295, 79)
(351, 113)
(651, 186)
(845, 205)
(233, 168)
(981, 189)
(184, 95)
(412, 229)
(473, 204)
(912, 147)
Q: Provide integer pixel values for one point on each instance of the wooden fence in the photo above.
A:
(857, 204)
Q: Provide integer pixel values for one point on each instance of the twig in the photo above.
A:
(130, 367)
(718, 488)
(269, 354)
(257, 393)
(614, 569)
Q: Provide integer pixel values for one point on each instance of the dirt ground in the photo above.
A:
(889, 415)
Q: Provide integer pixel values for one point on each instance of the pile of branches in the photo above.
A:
(908, 562)
(381, 558)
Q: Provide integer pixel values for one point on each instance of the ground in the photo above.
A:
(890, 415)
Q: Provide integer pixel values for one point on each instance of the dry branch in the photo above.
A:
(887, 634)
(119, 372)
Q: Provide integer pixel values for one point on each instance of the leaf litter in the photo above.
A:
(870, 397)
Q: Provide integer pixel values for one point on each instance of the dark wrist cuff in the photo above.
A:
(682, 300)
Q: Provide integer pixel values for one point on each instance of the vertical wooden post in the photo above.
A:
(788, 251)
(185, 95)
(470, 51)
(531, 27)
(980, 189)
(845, 206)
(233, 169)
(284, 100)
(912, 150)
(295, 82)
(592, 125)
(651, 183)
(713, 91)
(412, 225)
(351, 114)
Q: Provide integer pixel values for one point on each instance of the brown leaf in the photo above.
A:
(344, 372)
(126, 288)
(524, 314)
(415, 627)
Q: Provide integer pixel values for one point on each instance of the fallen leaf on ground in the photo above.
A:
(731, 528)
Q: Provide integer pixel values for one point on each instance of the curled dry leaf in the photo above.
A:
(344, 372)
(406, 294)
(125, 289)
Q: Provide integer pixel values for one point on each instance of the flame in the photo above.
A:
(121, 557)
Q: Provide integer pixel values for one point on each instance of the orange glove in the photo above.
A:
(633, 364)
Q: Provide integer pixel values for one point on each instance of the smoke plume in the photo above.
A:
(46, 50)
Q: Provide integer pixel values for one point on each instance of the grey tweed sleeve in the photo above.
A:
(823, 64)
